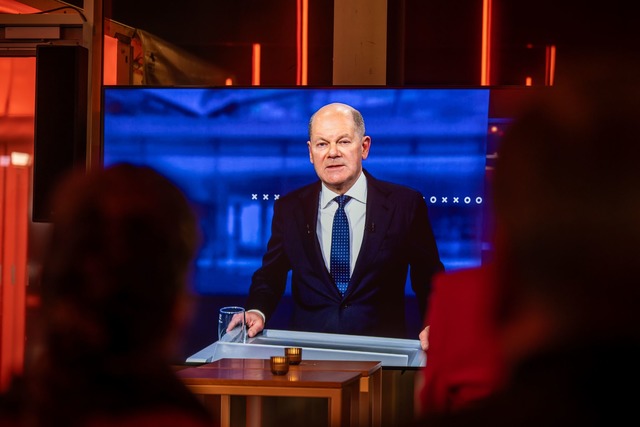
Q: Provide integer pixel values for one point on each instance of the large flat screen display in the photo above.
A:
(236, 150)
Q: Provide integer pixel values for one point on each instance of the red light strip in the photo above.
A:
(485, 62)
(255, 65)
(550, 65)
(302, 41)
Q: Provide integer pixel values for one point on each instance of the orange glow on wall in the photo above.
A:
(14, 195)
(12, 6)
(17, 86)
(17, 109)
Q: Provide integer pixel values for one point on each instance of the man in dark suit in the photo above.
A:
(390, 236)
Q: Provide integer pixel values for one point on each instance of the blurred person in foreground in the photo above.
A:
(464, 362)
(567, 203)
(114, 302)
(390, 238)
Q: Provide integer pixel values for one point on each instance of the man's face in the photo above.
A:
(336, 149)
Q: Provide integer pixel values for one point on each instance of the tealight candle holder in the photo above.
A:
(279, 365)
(293, 354)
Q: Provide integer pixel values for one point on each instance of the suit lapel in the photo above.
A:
(378, 217)
(309, 201)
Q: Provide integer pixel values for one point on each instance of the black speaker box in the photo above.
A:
(60, 120)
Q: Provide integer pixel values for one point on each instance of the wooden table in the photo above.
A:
(370, 408)
(341, 388)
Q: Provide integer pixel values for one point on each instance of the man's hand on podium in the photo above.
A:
(424, 338)
(255, 323)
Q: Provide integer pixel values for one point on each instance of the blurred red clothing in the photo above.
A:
(464, 362)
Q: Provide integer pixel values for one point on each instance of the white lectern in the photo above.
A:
(392, 352)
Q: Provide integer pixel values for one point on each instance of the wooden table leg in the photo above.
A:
(335, 409)
(375, 398)
(345, 414)
(355, 404)
(254, 411)
(225, 410)
(365, 401)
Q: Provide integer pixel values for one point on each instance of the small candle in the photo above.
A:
(279, 365)
(293, 354)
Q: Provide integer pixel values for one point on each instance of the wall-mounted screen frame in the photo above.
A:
(235, 150)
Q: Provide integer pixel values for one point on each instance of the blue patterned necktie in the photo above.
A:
(340, 264)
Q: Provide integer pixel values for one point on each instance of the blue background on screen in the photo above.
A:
(234, 151)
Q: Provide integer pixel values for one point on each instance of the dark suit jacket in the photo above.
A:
(397, 236)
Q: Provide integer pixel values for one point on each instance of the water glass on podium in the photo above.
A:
(231, 325)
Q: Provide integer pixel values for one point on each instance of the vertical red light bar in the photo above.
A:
(110, 61)
(485, 62)
(6, 288)
(302, 41)
(550, 65)
(255, 66)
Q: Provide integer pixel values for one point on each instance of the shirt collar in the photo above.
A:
(358, 192)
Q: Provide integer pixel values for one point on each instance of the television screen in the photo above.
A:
(236, 150)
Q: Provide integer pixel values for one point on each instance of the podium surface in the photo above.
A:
(391, 352)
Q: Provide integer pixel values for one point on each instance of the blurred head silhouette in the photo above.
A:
(115, 273)
(114, 300)
(567, 201)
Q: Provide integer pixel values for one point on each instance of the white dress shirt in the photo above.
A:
(355, 209)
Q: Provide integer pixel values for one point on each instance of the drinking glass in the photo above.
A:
(231, 324)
